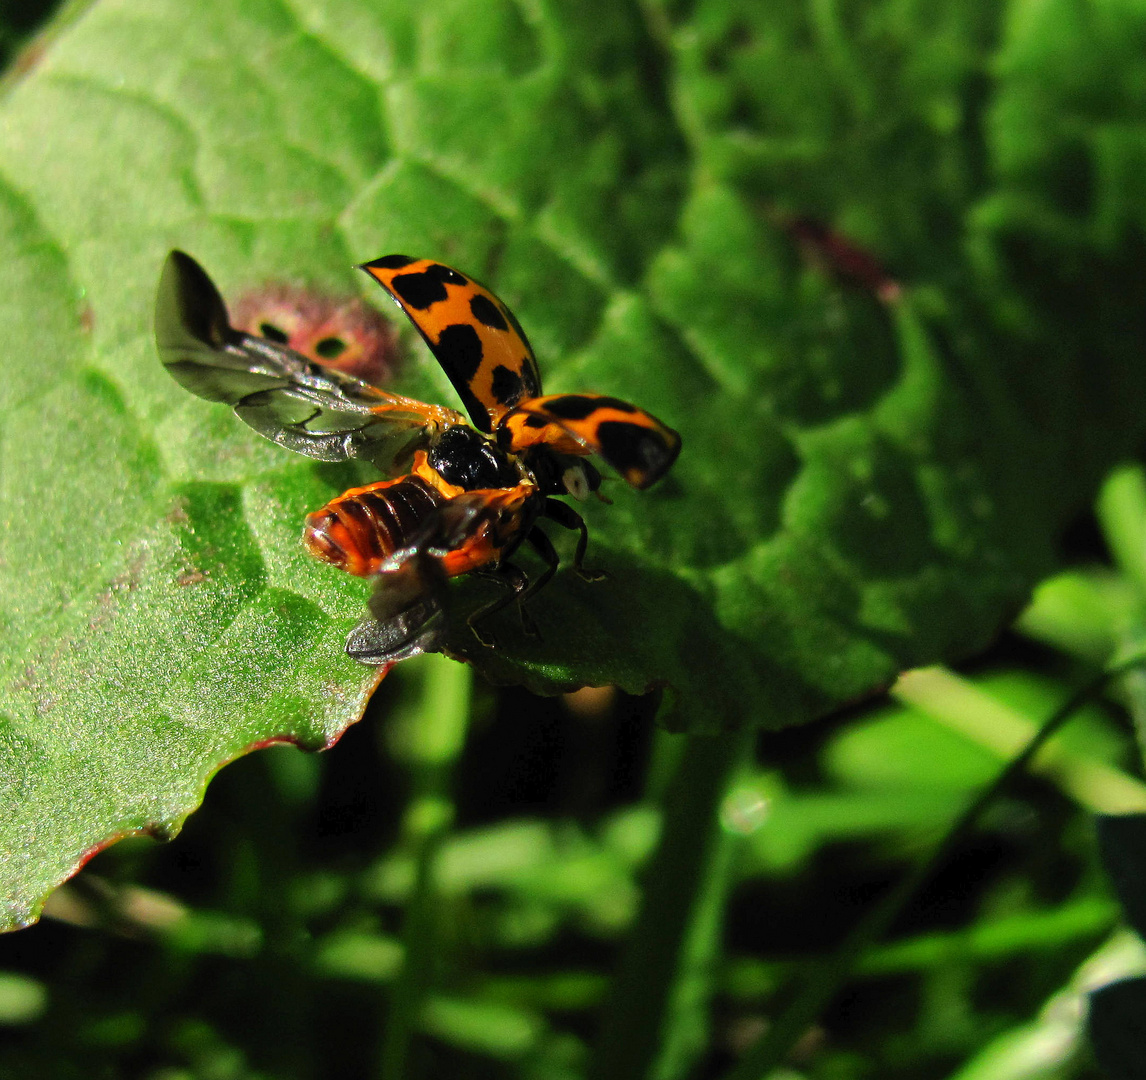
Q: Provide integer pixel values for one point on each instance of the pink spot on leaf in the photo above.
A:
(339, 332)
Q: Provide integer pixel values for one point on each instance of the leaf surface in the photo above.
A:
(898, 323)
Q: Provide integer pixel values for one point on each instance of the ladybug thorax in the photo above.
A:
(559, 474)
(467, 459)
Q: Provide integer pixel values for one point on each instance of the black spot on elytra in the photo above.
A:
(529, 369)
(486, 312)
(418, 291)
(427, 287)
(447, 274)
(533, 420)
(578, 407)
(273, 333)
(630, 447)
(459, 352)
(330, 347)
(506, 385)
(391, 262)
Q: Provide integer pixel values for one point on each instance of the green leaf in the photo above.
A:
(876, 461)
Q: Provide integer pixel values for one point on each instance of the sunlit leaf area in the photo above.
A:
(830, 768)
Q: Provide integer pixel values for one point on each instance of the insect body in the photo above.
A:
(465, 497)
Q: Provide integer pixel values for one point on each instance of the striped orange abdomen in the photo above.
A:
(364, 526)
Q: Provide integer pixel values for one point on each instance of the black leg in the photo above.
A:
(544, 547)
(516, 583)
(567, 517)
(520, 588)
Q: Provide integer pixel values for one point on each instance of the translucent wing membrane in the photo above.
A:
(471, 333)
(628, 439)
(307, 408)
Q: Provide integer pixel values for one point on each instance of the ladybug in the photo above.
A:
(463, 496)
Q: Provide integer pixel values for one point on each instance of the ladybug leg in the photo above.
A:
(567, 517)
(516, 582)
(521, 587)
(544, 547)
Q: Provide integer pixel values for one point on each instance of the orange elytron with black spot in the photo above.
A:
(465, 497)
